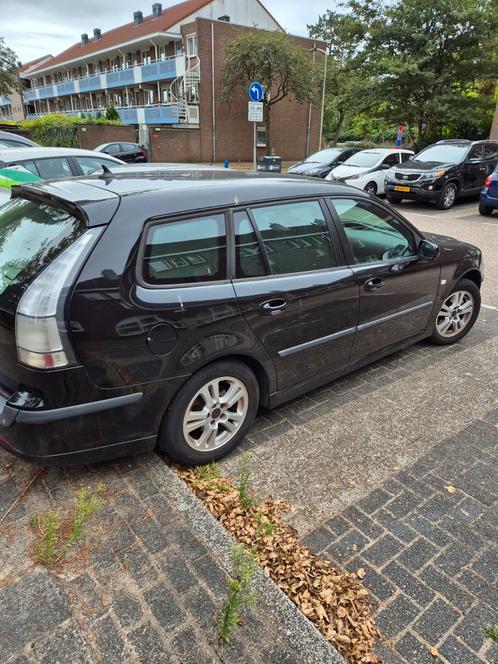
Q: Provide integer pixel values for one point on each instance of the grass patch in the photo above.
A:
(492, 633)
(57, 534)
(244, 481)
(239, 596)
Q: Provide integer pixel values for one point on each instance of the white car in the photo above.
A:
(367, 169)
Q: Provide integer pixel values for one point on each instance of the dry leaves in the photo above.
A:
(434, 652)
(335, 601)
(450, 489)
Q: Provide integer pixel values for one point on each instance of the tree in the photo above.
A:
(278, 62)
(422, 58)
(111, 113)
(9, 81)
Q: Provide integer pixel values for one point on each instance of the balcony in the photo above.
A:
(133, 115)
(118, 78)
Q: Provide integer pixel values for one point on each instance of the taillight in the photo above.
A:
(143, 153)
(42, 337)
(487, 184)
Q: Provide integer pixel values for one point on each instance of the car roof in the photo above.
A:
(12, 136)
(386, 150)
(10, 155)
(179, 191)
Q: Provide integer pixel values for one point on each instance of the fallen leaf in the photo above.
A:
(351, 482)
(434, 652)
(361, 573)
(450, 489)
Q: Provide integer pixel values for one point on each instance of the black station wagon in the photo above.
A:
(160, 310)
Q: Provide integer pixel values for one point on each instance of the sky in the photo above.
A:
(37, 27)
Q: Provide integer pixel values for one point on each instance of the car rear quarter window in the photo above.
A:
(57, 167)
(90, 165)
(128, 147)
(112, 149)
(491, 151)
(248, 257)
(295, 236)
(186, 251)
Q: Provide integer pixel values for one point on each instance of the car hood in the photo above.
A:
(448, 243)
(347, 171)
(307, 167)
(421, 166)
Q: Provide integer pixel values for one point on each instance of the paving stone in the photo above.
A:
(149, 645)
(8, 493)
(346, 547)
(413, 651)
(163, 605)
(386, 654)
(417, 554)
(411, 586)
(436, 621)
(185, 647)
(377, 583)
(430, 531)
(467, 510)
(48, 607)
(396, 616)
(109, 641)
(64, 646)
(383, 550)
(319, 539)
(397, 527)
(179, 575)
(437, 506)
(201, 607)
(363, 522)
(487, 564)
(454, 558)
(454, 651)
(374, 500)
(139, 565)
(151, 534)
(127, 609)
(477, 585)
(338, 525)
(471, 628)
(189, 544)
(403, 504)
(211, 574)
(451, 591)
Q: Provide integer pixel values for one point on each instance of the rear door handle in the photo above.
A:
(373, 284)
(273, 307)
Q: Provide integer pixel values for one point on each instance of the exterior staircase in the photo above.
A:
(184, 89)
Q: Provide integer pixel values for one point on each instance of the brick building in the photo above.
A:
(163, 74)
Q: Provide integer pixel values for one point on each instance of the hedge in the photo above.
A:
(60, 130)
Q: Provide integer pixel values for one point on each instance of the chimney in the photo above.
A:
(224, 18)
(84, 38)
(19, 64)
(138, 18)
(157, 9)
(97, 33)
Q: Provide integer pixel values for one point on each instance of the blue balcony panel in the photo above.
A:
(90, 83)
(66, 88)
(46, 92)
(119, 78)
(159, 70)
(161, 115)
(128, 115)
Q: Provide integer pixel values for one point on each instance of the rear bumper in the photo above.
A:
(488, 200)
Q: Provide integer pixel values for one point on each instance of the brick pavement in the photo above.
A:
(431, 557)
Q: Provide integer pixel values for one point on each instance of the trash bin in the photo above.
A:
(269, 164)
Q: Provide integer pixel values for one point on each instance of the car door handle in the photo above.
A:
(373, 284)
(273, 307)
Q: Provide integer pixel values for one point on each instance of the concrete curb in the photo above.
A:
(304, 637)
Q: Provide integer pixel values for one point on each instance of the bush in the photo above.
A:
(57, 130)
(111, 113)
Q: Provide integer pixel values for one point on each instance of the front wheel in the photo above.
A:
(485, 210)
(210, 414)
(371, 188)
(457, 314)
(448, 197)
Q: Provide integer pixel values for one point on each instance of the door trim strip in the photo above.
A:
(316, 342)
(384, 319)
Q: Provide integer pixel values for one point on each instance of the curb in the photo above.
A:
(301, 633)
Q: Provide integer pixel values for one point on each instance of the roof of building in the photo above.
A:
(128, 32)
(27, 67)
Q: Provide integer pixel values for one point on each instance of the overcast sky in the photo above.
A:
(33, 28)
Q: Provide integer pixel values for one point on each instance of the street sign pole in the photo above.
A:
(254, 148)
(255, 114)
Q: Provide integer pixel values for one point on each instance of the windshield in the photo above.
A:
(324, 156)
(443, 154)
(363, 159)
(31, 236)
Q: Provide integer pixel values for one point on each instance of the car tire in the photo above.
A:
(180, 441)
(485, 210)
(444, 337)
(371, 188)
(394, 199)
(447, 197)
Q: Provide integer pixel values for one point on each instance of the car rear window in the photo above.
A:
(31, 235)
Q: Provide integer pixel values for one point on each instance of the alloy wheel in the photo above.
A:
(449, 197)
(455, 314)
(215, 414)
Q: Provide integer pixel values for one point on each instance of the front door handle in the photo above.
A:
(273, 307)
(373, 284)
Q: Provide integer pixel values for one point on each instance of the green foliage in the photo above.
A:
(57, 130)
(57, 534)
(243, 569)
(278, 62)
(492, 633)
(431, 66)
(208, 474)
(244, 481)
(111, 113)
(9, 81)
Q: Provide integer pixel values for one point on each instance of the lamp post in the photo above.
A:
(322, 50)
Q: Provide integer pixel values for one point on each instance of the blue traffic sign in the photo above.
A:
(255, 91)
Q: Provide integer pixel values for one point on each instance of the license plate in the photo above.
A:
(401, 188)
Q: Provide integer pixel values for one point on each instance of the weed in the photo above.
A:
(265, 526)
(208, 474)
(57, 534)
(244, 480)
(492, 633)
(243, 568)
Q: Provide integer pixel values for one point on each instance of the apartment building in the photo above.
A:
(163, 72)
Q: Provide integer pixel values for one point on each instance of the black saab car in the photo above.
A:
(319, 164)
(160, 310)
(443, 172)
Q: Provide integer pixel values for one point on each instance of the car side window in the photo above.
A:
(475, 153)
(187, 251)
(248, 257)
(405, 156)
(112, 149)
(391, 160)
(30, 166)
(127, 147)
(491, 151)
(372, 232)
(295, 236)
(91, 165)
(57, 167)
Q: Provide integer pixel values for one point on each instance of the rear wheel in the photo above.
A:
(448, 196)
(210, 414)
(485, 210)
(394, 199)
(371, 188)
(457, 314)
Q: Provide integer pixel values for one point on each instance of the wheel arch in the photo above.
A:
(473, 275)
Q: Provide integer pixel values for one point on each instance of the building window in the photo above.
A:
(191, 46)
(148, 97)
(178, 48)
(261, 137)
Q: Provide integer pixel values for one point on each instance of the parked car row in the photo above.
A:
(441, 173)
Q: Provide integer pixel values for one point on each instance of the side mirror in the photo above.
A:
(428, 250)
